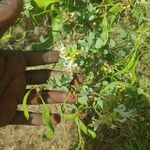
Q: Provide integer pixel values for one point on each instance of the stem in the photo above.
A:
(81, 142)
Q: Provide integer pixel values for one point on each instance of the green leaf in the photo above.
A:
(44, 44)
(90, 7)
(6, 37)
(113, 11)
(83, 100)
(91, 17)
(25, 106)
(113, 85)
(90, 39)
(58, 19)
(49, 134)
(58, 81)
(138, 12)
(45, 3)
(100, 103)
(64, 88)
(70, 117)
(47, 120)
(105, 33)
(112, 43)
(130, 67)
(123, 34)
(86, 130)
(116, 8)
(99, 43)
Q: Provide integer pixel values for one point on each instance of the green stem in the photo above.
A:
(81, 141)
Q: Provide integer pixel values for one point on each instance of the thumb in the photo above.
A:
(9, 12)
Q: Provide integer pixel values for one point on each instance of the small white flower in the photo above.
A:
(62, 50)
(69, 62)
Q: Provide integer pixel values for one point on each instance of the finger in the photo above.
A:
(34, 58)
(35, 119)
(41, 58)
(50, 97)
(41, 76)
(9, 12)
(77, 80)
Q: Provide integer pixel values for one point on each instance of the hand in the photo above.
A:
(13, 81)
(14, 77)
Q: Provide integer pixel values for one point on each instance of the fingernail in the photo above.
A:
(55, 119)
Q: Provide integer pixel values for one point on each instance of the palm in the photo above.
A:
(15, 78)
(13, 85)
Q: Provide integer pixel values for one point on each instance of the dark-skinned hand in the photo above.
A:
(14, 77)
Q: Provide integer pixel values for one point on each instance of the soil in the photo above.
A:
(31, 137)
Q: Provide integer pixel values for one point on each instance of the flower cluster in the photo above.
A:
(67, 60)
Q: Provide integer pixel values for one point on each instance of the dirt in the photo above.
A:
(30, 137)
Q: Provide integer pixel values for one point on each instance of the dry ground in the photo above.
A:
(30, 138)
